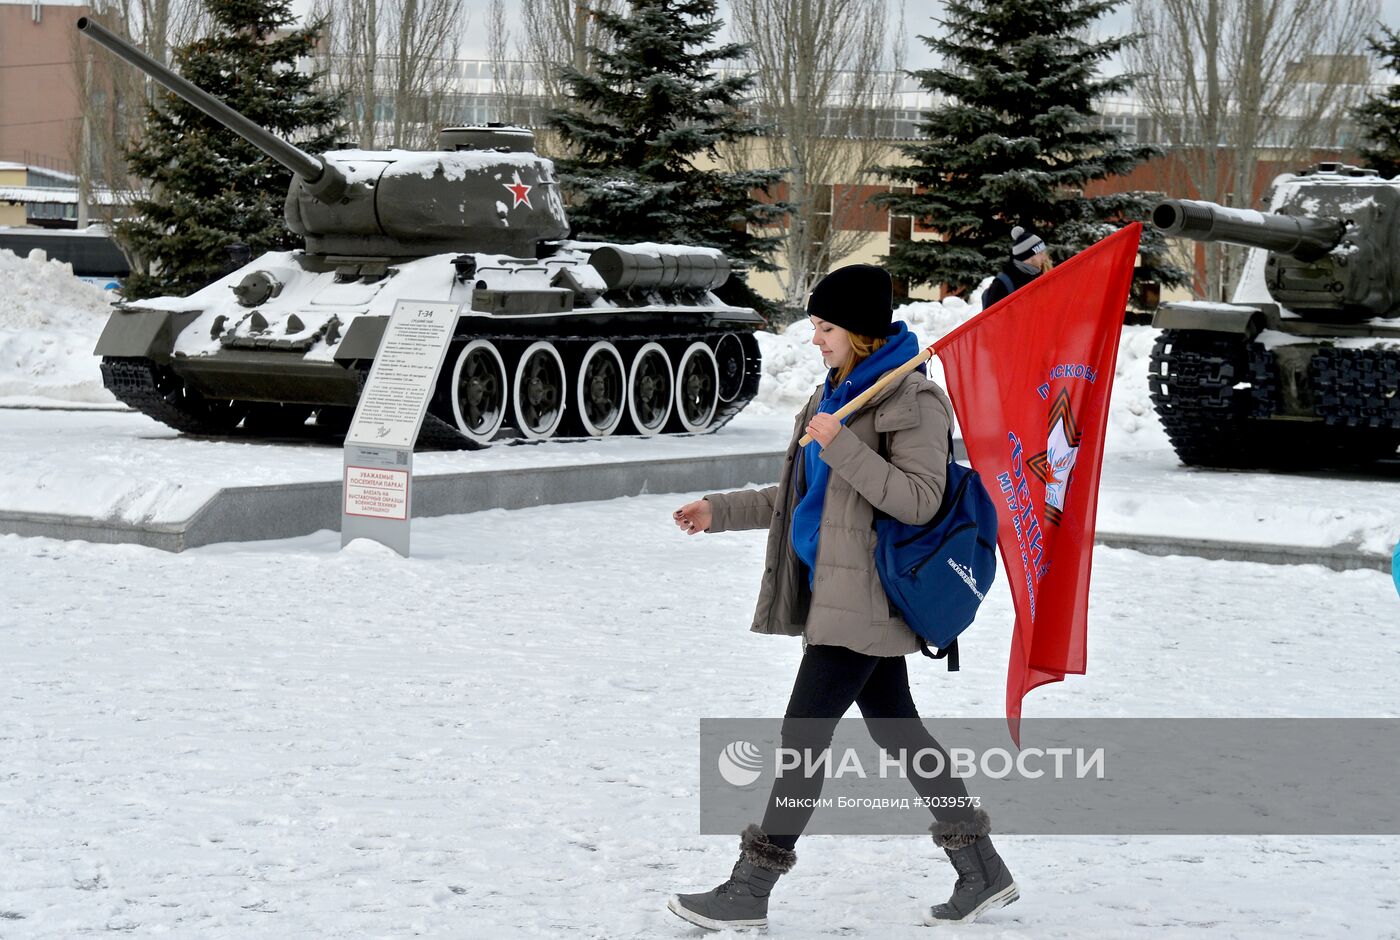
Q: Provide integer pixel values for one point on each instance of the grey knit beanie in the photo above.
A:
(1025, 243)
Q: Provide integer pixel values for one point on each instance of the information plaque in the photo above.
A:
(377, 499)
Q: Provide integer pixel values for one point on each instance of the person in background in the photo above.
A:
(1029, 260)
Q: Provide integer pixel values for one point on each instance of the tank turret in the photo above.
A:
(1303, 367)
(554, 337)
(1329, 249)
(395, 203)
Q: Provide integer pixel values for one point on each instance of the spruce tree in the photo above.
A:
(1379, 116)
(1014, 140)
(209, 188)
(651, 107)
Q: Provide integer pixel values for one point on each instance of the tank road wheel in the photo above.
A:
(478, 391)
(538, 392)
(697, 387)
(600, 390)
(729, 358)
(649, 390)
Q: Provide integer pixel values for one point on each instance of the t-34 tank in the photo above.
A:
(555, 337)
(1302, 367)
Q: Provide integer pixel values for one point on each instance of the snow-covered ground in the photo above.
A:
(128, 467)
(497, 738)
(131, 468)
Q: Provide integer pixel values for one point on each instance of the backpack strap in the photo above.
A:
(1005, 281)
(949, 652)
(883, 446)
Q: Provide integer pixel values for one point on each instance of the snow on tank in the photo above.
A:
(554, 337)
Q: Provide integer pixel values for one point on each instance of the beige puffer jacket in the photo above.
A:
(846, 605)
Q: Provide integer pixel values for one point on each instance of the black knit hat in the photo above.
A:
(1025, 243)
(858, 297)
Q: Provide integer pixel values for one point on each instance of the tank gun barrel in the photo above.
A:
(324, 181)
(1302, 237)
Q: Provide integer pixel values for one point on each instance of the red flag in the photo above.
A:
(1030, 379)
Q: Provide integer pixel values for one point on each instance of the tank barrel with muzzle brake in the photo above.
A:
(1299, 236)
(321, 178)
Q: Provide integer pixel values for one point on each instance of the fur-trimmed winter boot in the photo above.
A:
(983, 884)
(742, 901)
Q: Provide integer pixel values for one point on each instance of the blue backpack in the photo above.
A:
(938, 573)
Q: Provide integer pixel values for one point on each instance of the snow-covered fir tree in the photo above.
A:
(650, 108)
(210, 188)
(1014, 139)
(1379, 116)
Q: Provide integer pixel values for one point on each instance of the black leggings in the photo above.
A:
(828, 681)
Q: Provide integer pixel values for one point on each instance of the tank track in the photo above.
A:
(155, 391)
(1192, 382)
(1357, 388)
(1215, 394)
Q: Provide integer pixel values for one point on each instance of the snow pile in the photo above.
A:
(792, 367)
(49, 323)
(1132, 421)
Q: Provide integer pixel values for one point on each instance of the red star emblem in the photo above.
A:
(520, 191)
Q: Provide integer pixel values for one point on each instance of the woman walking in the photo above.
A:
(820, 582)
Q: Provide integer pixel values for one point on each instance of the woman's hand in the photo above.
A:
(693, 517)
(824, 428)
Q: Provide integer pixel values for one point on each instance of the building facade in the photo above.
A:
(40, 113)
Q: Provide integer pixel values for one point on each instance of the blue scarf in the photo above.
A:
(899, 348)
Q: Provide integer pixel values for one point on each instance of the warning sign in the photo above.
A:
(376, 492)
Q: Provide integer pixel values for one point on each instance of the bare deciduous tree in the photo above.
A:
(509, 74)
(1227, 81)
(428, 38)
(828, 72)
(351, 43)
(113, 95)
(525, 67)
(555, 33)
(396, 61)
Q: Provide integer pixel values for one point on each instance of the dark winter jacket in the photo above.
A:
(846, 604)
(997, 289)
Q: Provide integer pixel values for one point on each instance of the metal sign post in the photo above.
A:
(377, 500)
